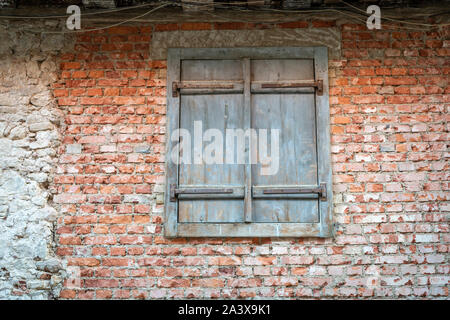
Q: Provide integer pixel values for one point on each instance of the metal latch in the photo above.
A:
(318, 84)
(321, 191)
(177, 85)
(174, 191)
(211, 86)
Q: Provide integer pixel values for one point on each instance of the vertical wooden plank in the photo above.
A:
(248, 212)
(173, 113)
(323, 140)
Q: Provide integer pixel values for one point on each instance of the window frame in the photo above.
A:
(323, 228)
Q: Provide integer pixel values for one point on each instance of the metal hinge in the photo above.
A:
(319, 87)
(175, 87)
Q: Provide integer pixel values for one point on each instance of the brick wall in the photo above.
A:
(389, 107)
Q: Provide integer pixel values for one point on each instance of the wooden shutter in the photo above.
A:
(292, 111)
(260, 88)
(218, 110)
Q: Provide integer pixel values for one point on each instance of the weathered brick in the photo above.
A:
(387, 96)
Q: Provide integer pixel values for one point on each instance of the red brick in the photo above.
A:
(173, 283)
(70, 65)
(122, 30)
(296, 24)
(166, 27)
(90, 262)
(196, 26)
(323, 24)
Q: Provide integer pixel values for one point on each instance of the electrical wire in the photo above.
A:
(352, 15)
(383, 17)
(83, 14)
(119, 9)
(235, 5)
(113, 25)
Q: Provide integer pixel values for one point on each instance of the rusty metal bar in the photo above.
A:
(320, 190)
(318, 85)
(210, 86)
(174, 191)
(205, 85)
(292, 190)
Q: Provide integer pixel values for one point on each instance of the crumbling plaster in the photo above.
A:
(29, 138)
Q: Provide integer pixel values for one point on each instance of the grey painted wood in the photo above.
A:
(323, 140)
(256, 88)
(202, 69)
(215, 111)
(282, 69)
(173, 112)
(219, 111)
(246, 69)
(294, 116)
(237, 89)
(249, 230)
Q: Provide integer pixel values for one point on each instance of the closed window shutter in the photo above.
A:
(292, 111)
(283, 89)
(219, 111)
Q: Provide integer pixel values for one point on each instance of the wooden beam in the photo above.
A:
(105, 4)
(197, 5)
